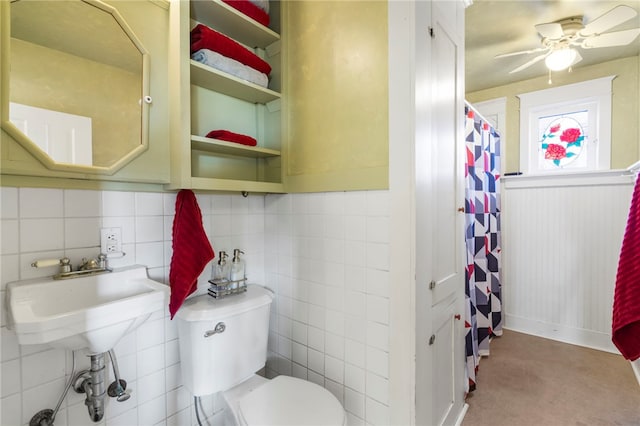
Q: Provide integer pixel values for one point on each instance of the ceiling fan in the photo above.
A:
(560, 38)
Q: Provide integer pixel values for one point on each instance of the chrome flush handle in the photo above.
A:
(219, 328)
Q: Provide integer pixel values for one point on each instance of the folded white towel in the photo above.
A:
(230, 66)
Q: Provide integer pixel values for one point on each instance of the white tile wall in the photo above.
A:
(326, 256)
(49, 223)
(330, 269)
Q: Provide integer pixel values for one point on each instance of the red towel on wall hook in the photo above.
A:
(626, 301)
(191, 250)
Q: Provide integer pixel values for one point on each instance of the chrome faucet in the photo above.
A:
(95, 266)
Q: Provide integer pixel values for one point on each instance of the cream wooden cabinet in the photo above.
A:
(321, 126)
(148, 21)
(336, 105)
(208, 99)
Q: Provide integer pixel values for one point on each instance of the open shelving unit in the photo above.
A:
(215, 99)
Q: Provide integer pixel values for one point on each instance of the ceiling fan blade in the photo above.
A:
(552, 30)
(531, 62)
(522, 52)
(577, 59)
(612, 18)
(618, 38)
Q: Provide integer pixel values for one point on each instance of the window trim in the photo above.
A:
(568, 97)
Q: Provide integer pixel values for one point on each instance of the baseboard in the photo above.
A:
(462, 413)
(562, 333)
(635, 366)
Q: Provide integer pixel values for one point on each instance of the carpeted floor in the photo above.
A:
(529, 381)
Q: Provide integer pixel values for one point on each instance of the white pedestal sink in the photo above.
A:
(92, 312)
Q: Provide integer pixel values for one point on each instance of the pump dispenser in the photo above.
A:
(221, 269)
(237, 267)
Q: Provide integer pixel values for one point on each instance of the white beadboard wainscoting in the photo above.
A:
(561, 240)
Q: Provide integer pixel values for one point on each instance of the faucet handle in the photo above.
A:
(64, 263)
(43, 263)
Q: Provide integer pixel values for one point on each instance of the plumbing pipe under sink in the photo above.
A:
(117, 388)
(92, 383)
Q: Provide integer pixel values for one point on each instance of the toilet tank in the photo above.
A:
(213, 362)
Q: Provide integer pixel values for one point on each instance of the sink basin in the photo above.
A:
(92, 312)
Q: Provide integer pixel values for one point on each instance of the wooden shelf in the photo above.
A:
(217, 146)
(210, 184)
(231, 22)
(213, 79)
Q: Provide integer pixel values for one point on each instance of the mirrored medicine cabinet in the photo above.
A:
(75, 84)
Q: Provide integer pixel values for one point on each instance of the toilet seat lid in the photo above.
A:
(287, 400)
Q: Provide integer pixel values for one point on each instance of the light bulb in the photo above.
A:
(560, 59)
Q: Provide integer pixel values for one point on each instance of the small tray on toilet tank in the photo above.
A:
(220, 289)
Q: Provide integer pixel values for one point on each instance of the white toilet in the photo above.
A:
(223, 343)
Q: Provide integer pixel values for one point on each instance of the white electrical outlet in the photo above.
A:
(111, 241)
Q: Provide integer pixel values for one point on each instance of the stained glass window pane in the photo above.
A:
(562, 141)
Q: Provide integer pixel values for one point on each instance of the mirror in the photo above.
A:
(75, 85)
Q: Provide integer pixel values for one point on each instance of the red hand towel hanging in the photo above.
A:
(191, 249)
(626, 302)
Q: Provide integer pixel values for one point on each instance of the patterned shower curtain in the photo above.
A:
(483, 299)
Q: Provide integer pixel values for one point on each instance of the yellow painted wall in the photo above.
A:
(336, 91)
(625, 137)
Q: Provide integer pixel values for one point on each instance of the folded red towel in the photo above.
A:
(191, 249)
(626, 301)
(226, 135)
(250, 9)
(203, 37)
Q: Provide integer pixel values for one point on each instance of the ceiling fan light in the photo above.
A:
(560, 59)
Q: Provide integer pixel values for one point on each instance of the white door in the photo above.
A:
(65, 137)
(440, 353)
(447, 170)
(446, 361)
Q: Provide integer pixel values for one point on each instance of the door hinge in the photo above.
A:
(431, 32)
(432, 285)
(432, 339)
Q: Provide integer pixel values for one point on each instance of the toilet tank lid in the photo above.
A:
(287, 400)
(206, 308)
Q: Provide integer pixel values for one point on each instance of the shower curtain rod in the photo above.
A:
(634, 168)
(480, 115)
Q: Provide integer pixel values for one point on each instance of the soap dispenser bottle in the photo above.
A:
(237, 268)
(221, 269)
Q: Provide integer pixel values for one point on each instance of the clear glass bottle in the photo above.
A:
(237, 272)
(220, 274)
